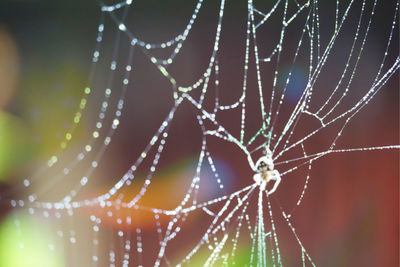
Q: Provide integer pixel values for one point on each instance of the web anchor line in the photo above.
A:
(239, 221)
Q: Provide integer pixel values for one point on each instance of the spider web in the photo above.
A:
(266, 115)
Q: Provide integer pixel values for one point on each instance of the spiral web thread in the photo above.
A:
(230, 221)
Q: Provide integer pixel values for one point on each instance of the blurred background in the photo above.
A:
(350, 213)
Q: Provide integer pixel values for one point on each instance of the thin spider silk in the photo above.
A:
(237, 80)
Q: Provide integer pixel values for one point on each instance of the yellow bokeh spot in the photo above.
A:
(83, 103)
(63, 145)
(34, 246)
(17, 146)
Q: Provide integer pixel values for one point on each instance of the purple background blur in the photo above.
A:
(350, 214)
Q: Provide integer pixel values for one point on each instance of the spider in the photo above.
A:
(265, 171)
